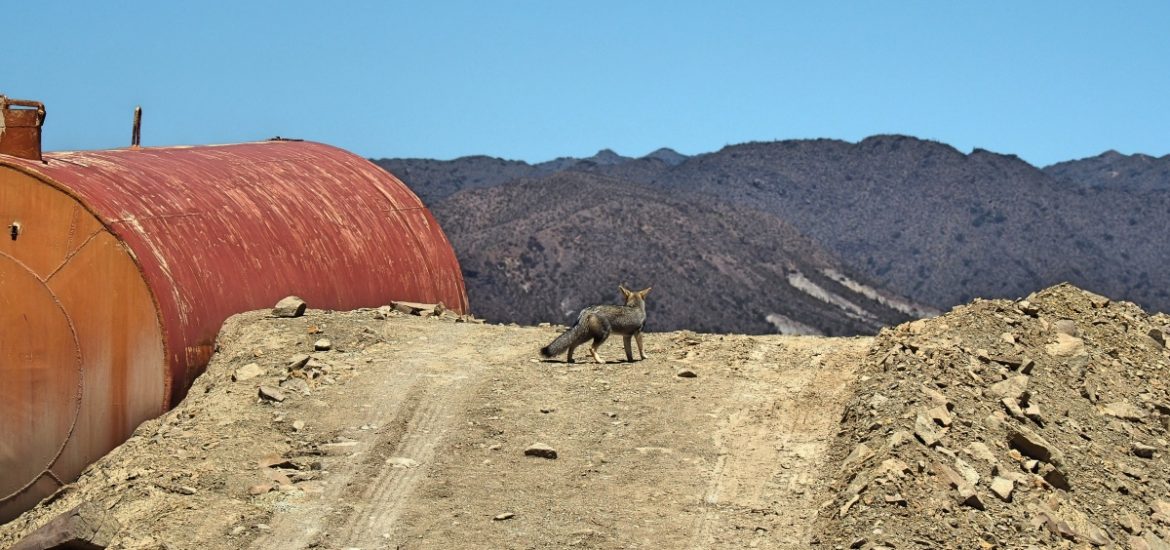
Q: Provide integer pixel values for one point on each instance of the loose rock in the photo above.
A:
(271, 394)
(291, 306)
(247, 372)
(541, 450)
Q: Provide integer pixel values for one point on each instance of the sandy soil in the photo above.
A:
(411, 433)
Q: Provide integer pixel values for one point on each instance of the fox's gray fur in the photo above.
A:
(598, 322)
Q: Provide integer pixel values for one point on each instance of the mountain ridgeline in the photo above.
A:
(810, 236)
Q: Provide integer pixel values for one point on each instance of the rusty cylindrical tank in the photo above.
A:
(118, 267)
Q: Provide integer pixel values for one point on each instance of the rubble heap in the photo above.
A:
(1008, 424)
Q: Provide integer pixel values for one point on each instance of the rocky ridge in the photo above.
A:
(1009, 424)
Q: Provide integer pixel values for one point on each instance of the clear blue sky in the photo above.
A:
(535, 80)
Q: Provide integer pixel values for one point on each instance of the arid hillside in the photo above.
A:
(547, 247)
(912, 217)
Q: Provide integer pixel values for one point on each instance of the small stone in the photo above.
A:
(1124, 410)
(1010, 388)
(401, 462)
(1027, 365)
(1144, 451)
(260, 488)
(291, 306)
(1013, 408)
(844, 509)
(271, 394)
(1158, 336)
(938, 398)
(860, 454)
(969, 497)
(970, 475)
(1066, 326)
(1055, 477)
(1028, 308)
(298, 425)
(895, 467)
(1031, 444)
(298, 361)
(980, 451)
(1032, 412)
(896, 499)
(322, 345)
(247, 372)
(1160, 507)
(1003, 488)
(1095, 535)
(504, 516)
(899, 438)
(924, 430)
(941, 415)
(686, 373)
(1065, 346)
(541, 450)
(1130, 523)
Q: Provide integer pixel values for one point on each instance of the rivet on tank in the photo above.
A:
(118, 267)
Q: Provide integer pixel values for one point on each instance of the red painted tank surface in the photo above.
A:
(118, 267)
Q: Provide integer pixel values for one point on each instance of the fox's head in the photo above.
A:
(634, 298)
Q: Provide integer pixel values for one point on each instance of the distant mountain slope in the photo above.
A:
(943, 227)
(1115, 170)
(916, 217)
(541, 249)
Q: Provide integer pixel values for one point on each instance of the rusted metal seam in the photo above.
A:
(418, 245)
(80, 391)
(80, 385)
(167, 378)
(70, 256)
(27, 486)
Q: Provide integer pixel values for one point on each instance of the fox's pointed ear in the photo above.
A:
(625, 291)
(645, 292)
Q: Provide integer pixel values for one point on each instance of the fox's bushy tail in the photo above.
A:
(563, 341)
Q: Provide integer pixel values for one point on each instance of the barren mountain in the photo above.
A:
(916, 217)
(1112, 169)
(539, 250)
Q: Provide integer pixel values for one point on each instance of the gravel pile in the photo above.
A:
(1041, 422)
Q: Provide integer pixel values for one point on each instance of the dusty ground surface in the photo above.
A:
(411, 433)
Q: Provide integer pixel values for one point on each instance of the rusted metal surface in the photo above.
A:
(128, 261)
(20, 127)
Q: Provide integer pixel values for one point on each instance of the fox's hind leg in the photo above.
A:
(629, 351)
(593, 349)
(569, 358)
(597, 341)
(638, 337)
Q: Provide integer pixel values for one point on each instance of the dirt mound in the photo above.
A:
(1039, 422)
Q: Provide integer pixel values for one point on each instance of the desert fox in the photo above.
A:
(598, 322)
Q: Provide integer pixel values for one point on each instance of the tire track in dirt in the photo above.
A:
(392, 483)
(408, 407)
(771, 445)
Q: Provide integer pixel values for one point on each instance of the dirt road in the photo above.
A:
(411, 433)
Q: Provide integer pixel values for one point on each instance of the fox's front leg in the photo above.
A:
(638, 337)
